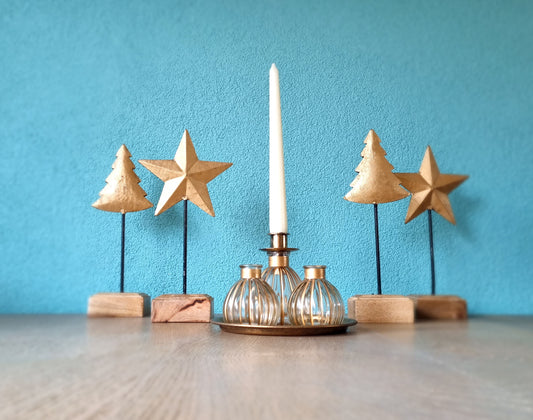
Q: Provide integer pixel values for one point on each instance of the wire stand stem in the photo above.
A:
(431, 253)
(185, 247)
(122, 252)
(378, 263)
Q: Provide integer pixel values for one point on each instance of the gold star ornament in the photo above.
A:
(429, 189)
(185, 177)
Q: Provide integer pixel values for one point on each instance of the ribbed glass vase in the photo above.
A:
(315, 301)
(283, 280)
(251, 300)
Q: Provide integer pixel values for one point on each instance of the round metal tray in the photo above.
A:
(286, 330)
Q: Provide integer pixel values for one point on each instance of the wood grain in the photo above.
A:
(182, 308)
(440, 307)
(381, 309)
(119, 305)
(74, 367)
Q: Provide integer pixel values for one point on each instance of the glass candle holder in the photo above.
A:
(251, 300)
(315, 301)
(279, 275)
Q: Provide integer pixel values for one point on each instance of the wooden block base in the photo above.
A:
(440, 307)
(182, 308)
(127, 305)
(381, 309)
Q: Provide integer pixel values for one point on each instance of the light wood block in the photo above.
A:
(182, 308)
(381, 309)
(128, 305)
(440, 307)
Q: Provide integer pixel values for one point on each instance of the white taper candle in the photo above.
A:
(278, 201)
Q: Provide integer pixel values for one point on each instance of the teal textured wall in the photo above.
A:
(79, 78)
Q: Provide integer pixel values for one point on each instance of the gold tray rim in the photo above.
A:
(283, 330)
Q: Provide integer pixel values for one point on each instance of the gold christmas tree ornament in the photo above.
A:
(375, 182)
(430, 189)
(185, 177)
(122, 194)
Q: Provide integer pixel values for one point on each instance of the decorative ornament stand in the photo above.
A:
(186, 178)
(279, 275)
(430, 189)
(122, 194)
(182, 307)
(376, 184)
(385, 309)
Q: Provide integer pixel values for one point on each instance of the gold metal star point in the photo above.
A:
(185, 177)
(429, 189)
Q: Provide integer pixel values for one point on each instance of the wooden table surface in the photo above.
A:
(71, 367)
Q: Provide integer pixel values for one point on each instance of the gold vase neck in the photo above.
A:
(314, 272)
(278, 260)
(278, 240)
(251, 271)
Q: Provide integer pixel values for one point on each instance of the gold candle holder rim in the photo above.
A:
(251, 271)
(280, 238)
(279, 249)
(314, 272)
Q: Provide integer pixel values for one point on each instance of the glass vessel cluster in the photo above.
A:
(313, 302)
